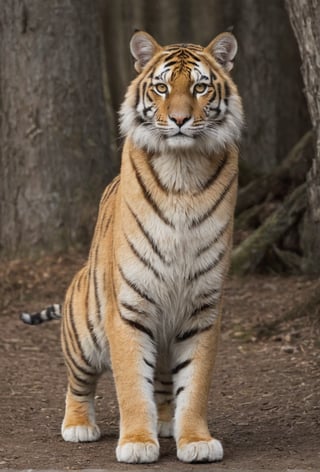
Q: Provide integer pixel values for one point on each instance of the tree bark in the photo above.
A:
(54, 158)
(269, 80)
(305, 20)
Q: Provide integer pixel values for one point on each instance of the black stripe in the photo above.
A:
(190, 54)
(134, 287)
(203, 307)
(180, 366)
(163, 392)
(72, 360)
(95, 283)
(80, 368)
(187, 335)
(209, 267)
(78, 393)
(198, 221)
(191, 333)
(208, 294)
(219, 94)
(214, 241)
(226, 90)
(227, 93)
(74, 330)
(213, 76)
(78, 379)
(143, 260)
(171, 56)
(144, 88)
(215, 175)
(148, 363)
(80, 276)
(138, 326)
(134, 309)
(148, 196)
(149, 380)
(166, 382)
(170, 63)
(147, 236)
(137, 99)
(180, 389)
(107, 226)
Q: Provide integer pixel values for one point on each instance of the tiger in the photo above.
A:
(148, 300)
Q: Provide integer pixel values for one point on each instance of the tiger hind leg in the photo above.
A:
(79, 424)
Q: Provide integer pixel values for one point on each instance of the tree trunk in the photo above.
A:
(305, 20)
(269, 80)
(54, 158)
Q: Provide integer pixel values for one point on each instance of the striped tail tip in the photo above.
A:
(53, 312)
(32, 318)
(26, 318)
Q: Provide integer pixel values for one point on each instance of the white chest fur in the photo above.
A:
(176, 287)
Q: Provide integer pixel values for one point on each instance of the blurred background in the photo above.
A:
(64, 69)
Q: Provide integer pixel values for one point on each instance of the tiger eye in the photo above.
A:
(200, 88)
(161, 88)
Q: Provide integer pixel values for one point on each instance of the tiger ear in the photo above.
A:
(224, 49)
(143, 47)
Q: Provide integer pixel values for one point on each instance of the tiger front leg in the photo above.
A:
(192, 377)
(133, 363)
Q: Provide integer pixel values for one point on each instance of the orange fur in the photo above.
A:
(150, 292)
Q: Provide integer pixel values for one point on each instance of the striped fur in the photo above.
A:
(150, 294)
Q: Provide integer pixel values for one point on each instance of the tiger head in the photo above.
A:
(183, 97)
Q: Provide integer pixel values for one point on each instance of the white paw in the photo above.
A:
(138, 452)
(80, 433)
(201, 451)
(165, 429)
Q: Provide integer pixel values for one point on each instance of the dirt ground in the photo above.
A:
(265, 400)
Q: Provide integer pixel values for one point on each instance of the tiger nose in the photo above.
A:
(179, 119)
